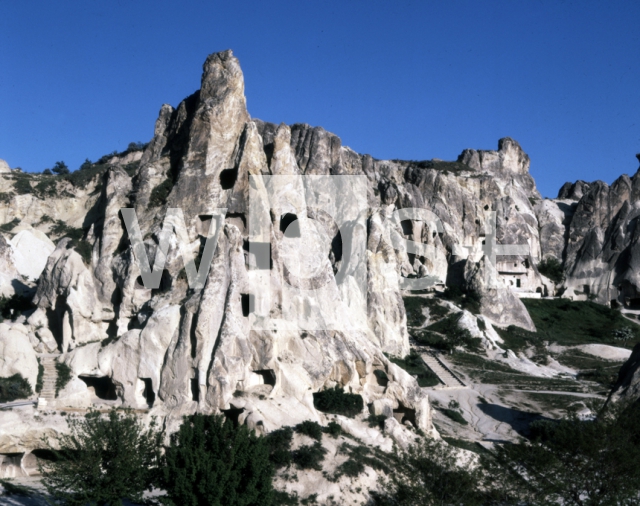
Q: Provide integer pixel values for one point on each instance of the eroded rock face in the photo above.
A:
(627, 387)
(181, 350)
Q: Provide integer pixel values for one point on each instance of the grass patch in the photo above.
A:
(63, 376)
(413, 307)
(14, 387)
(415, 366)
(567, 323)
(338, 402)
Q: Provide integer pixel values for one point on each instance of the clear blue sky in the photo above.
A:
(403, 79)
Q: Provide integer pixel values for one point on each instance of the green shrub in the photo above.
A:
(85, 250)
(8, 227)
(40, 376)
(48, 187)
(14, 387)
(552, 268)
(102, 460)
(337, 401)
(60, 168)
(160, 193)
(453, 415)
(350, 468)
(22, 186)
(455, 336)
(63, 376)
(376, 421)
(211, 462)
(333, 429)
(6, 197)
(466, 300)
(16, 303)
(279, 444)
(309, 457)
(311, 429)
(414, 305)
(415, 366)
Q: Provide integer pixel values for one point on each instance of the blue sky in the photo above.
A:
(403, 79)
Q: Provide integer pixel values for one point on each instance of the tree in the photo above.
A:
(47, 172)
(86, 164)
(102, 460)
(60, 168)
(552, 268)
(212, 463)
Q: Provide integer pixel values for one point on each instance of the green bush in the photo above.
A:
(552, 268)
(311, 429)
(337, 401)
(211, 462)
(60, 168)
(22, 186)
(85, 250)
(453, 415)
(309, 457)
(279, 444)
(102, 460)
(16, 303)
(40, 376)
(63, 376)
(415, 366)
(160, 193)
(14, 387)
(333, 429)
(466, 300)
(8, 227)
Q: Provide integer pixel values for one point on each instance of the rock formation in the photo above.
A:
(176, 349)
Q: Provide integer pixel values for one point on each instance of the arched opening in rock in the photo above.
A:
(268, 376)
(407, 227)
(381, 377)
(10, 465)
(403, 414)
(247, 303)
(203, 224)
(148, 393)
(165, 283)
(586, 289)
(614, 304)
(336, 247)
(228, 178)
(518, 283)
(233, 414)
(195, 389)
(259, 255)
(290, 225)
(539, 290)
(102, 387)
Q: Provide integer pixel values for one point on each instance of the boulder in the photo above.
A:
(17, 356)
(31, 249)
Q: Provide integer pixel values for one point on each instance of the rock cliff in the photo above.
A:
(176, 349)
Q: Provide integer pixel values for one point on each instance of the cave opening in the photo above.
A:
(102, 386)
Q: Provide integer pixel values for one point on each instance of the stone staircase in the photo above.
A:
(49, 377)
(446, 376)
